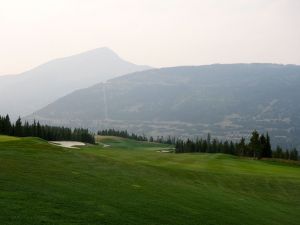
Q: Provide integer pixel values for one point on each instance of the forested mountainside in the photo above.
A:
(228, 101)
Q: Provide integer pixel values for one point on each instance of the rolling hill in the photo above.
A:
(229, 101)
(130, 182)
(27, 92)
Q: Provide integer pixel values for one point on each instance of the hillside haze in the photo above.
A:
(27, 92)
(228, 101)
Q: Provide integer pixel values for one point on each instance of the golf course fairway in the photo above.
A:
(135, 183)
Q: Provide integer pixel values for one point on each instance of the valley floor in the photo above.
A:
(129, 182)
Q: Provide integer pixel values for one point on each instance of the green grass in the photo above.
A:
(131, 183)
(8, 138)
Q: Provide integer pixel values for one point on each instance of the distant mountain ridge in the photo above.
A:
(228, 101)
(27, 92)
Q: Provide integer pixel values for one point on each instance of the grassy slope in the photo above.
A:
(4, 138)
(131, 183)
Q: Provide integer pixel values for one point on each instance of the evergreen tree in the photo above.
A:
(7, 125)
(254, 144)
(278, 153)
(241, 147)
(262, 150)
(49, 133)
(268, 148)
(258, 147)
(18, 130)
(294, 154)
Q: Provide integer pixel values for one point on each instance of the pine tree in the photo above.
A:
(254, 144)
(294, 154)
(268, 148)
(7, 125)
(278, 152)
(241, 147)
(18, 131)
(262, 150)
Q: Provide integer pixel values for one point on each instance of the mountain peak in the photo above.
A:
(102, 52)
(64, 75)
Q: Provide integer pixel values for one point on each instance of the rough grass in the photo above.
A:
(4, 138)
(131, 183)
(100, 138)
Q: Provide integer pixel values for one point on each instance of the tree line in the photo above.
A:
(259, 146)
(49, 133)
(125, 134)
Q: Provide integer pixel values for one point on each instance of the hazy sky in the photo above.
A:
(154, 32)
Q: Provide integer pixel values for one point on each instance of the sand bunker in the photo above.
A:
(67, 144)
(166, 151)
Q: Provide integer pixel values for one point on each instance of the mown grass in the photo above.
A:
(130, 182)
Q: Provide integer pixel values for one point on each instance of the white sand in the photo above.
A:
(67, 144)
(104, 145)
(165, 151)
